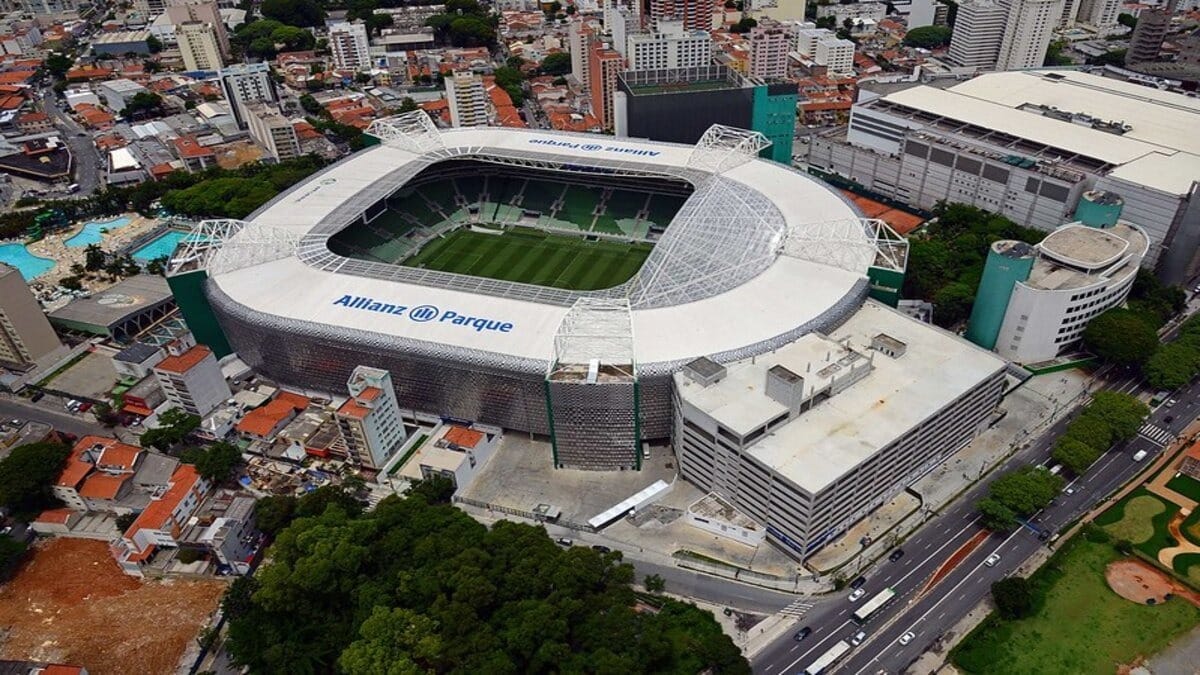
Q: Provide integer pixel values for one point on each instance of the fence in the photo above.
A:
(520, 513)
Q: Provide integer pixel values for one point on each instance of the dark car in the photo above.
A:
(601, 549)
(896, 555)
(858, 583)
(1168, 419)
(1043, 535)
(803, 633)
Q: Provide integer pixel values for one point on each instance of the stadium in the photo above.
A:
(544, 282)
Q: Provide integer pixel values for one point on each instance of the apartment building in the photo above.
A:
(1028, 29)
(770, 43)
(199, 46)
(246, 83)
(272, 131)
(468, 100)
(162, 521)
(671, 47)
(369, 420)
(191, 379)
(25, 333)
(605, 64)
(349, 45)
(978, 32)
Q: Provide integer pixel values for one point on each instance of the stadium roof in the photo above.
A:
(758, 252)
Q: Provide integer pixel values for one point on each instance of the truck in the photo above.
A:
(829, 658)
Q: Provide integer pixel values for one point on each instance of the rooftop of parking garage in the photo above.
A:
(840, 433)
(1076, 256)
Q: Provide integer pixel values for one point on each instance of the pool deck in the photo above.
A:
(53, 246)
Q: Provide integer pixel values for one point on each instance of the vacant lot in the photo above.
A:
(534, 257)
(71, 604)
(1082, 626)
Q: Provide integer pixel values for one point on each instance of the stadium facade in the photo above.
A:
(756, 256)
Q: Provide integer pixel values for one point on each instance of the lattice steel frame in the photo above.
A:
(596, 328)
(413, 131)
(205, 239)
(722, 148)
(253, 245)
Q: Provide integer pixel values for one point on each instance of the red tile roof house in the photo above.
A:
(162, 521)
(97, 475)
(264, 423)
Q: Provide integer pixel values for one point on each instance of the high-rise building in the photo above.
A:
(349, 45)
(806, 40)
(579, 38)
(779, 10)
(246, 83)
(1027, 33)
(770, 43)
(624, 23)
(468, 100)
(670, 47)
(1070, 10)
(978, 32)
(923, 13)
(198, 46)
(369, 420)
(273, 131)
(1147, 39)
(695, 14)
(25, 333)
(1099, 13)
(836, 54)
(183, 11)
(604, 63)
(191, 378)
(679, 105)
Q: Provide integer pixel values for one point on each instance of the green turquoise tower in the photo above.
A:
(1008, 262)
(1099, 208)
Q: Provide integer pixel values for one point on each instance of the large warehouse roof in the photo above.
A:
(715, 283)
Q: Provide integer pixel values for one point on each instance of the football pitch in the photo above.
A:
(530, 256)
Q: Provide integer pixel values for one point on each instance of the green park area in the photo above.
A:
(1140, 519)
(1078, 625)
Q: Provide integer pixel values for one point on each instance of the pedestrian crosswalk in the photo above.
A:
(796, 609)
(1155, 434)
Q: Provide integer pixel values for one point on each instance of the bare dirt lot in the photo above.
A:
(70, 603)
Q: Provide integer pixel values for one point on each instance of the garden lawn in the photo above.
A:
(1185, 485)
(1141, 519)
(1081, 626)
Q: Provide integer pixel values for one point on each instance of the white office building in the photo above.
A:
(836, 54)
(1047, 294)
(369, 420)
(806, 40)
(813, 437)
(978, 33)
(1027, 33)
(670, 47)
(349, 45)
(468, 100)
(191, 378)
(274, 132)
(1028, 145)
(246, 83)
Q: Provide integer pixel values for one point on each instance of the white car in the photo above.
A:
(857, 594)
(992, 560)
(907, 638)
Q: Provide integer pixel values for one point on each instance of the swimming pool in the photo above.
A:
(28, 264)
(161, 246)
(90, 234)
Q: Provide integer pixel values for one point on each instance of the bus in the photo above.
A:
(829, 658)
(870, 607)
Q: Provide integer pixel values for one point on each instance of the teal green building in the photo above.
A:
(1008, 262)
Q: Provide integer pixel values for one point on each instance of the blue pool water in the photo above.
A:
(28, 264)
(90, 234)
(161, 246)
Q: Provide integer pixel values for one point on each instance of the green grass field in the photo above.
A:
(1080, 627)
(530, 256)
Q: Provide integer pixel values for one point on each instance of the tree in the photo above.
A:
(303, 13)
(1014, 597)
(311, 105)
(377, 22)
(827, 22)
(654, 583)
(273, 513)
(94, 258)
(57, 64)
(216, 463)
(1090, 431)
(125, 520)
(188, 556)
(154, 44)
(158, 265)
(362, 78)
(1075, 455)
(142, 103)
(1054, 55)
(1114, 58)
(743, 25)
(953, 303)
(11, 552)
(928, 37)
(1122, 337)
(27, 474)
(408, 105)
(558, 63)
(1127, 20)
(1124, 414)
(996, 516)
(396, 640)
(1026, 490)
(174, 425)
(1172, 366)
(71, 283)
(471, 31)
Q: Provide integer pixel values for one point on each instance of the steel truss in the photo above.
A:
(722, 148)
(412, 131)
(598, 329)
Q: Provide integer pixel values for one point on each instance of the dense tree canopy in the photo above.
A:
(174, 425)
(465, 23)
(1172, 366)
(928, 37)
(1014, 597)
(303, 13)
(260, 38)
(1121, 336)
(996, 516)
(1026, 490)
(57, 64)
(234, 194)
(1111, 417)
(215, 463)
(558, 63)
(27, 474)
(415, 587)
(945, 261)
